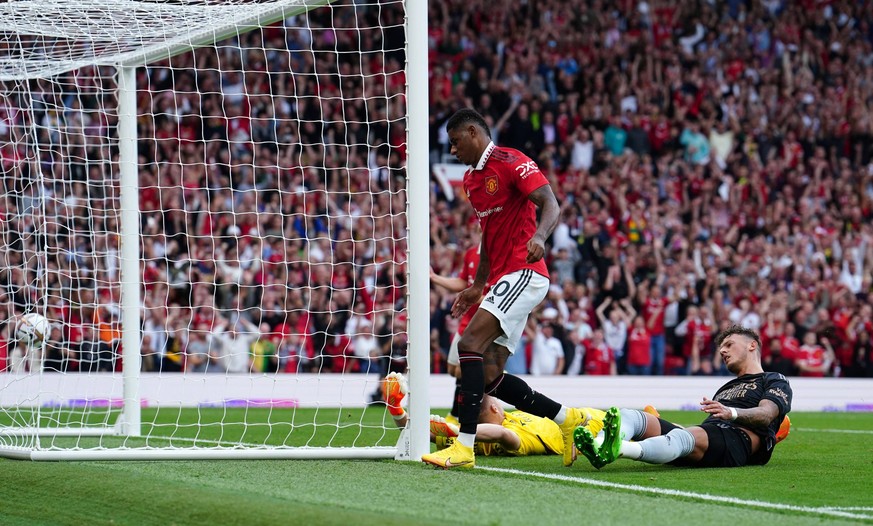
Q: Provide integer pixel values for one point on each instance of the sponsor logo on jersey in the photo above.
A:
(526, 169)
(486, 213)
(779, 393)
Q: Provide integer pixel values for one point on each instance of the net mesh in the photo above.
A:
(271, 168)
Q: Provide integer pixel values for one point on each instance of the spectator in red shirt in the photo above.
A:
(639, 348)
(599, 358)
(789, 344)
(814, 360)
(697, 328)
(653, 313)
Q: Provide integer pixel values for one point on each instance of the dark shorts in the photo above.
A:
(729, 447)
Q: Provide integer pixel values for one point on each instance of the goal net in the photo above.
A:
(208, 201)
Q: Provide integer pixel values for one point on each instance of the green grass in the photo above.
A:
(822, 466)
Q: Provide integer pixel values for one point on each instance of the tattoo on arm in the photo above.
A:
(760, 416)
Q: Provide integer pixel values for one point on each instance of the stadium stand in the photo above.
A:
(713, 159)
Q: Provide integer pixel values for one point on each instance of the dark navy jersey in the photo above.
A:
(746, 392)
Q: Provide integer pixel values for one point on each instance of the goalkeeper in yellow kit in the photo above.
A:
(499, 433)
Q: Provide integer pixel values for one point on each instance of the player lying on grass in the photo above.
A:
(745, 416)
(499, 433)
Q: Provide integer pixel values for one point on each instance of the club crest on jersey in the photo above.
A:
(491, 185)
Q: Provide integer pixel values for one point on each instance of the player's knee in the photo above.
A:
(684, 440)
(492, 374)
(468, 346)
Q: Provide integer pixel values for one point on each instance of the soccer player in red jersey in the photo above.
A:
(456, 284)
(505, 188)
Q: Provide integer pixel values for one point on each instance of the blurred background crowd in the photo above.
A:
(713, 161)
(712, 157)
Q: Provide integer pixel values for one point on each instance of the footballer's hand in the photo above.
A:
(535, 250)
(394, 389)
(466, 299)
(716, 409)
(439, 427)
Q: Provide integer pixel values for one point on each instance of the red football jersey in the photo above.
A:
(814, 356)
(650, 310)
(598, 359)
(790, 347)
(468, 273)
(639, 347)
(703, 329)
(498, 189)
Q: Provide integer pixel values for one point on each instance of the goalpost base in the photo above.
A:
(373, 453)
(57, 431)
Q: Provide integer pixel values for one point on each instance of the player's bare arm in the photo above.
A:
(472, 295)
(753, 417)
(496, 433)
(545, 200)
(450, 283)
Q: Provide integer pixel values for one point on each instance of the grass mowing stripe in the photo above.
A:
(677, 493)
(182, 493)
(847, 431)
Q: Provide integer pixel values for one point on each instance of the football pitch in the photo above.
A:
(822, 474)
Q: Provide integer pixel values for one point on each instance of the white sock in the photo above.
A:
(633, 424)
(561, 416)
(631, 450)
(666, 448)
(467, 439)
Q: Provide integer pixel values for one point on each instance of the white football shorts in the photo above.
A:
(511, 300)
(453, 350)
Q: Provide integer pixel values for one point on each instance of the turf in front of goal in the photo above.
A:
(822, 474)
(212, 427)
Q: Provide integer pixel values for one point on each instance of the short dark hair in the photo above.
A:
(742, 331)
(467, 116)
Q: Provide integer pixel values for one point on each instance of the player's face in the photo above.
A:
(464, 145)
(734, 352)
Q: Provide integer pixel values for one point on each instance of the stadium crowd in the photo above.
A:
(714, 164)
(713, 160)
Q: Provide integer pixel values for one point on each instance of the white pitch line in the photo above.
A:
(687, 494)
(848, 431)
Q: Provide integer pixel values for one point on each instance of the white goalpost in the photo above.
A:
(221, 207)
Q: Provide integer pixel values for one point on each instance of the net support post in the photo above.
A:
(418, 235)
(129, 421)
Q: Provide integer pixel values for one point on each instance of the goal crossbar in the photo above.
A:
(138, 32)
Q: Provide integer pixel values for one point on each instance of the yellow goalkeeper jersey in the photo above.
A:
(538, 436)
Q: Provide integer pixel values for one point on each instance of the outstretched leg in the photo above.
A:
(516, 392)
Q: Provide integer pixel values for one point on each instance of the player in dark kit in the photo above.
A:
(744, 418)
(505, 188)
